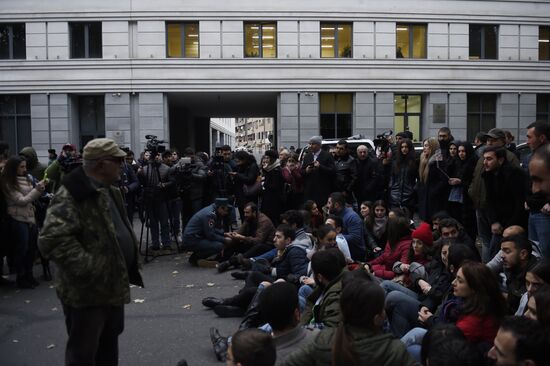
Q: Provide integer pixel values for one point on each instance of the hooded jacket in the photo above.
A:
(34, 167)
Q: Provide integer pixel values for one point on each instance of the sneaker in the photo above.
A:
(220, 344)
(205, 263)
(224, 266)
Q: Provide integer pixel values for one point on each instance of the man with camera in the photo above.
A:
(158, 187)
(190, 174)
(221, 184)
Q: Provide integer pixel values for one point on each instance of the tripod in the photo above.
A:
(152, 204)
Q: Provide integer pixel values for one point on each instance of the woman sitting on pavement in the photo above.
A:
(397, 248)
(359, 339)
(418, 256)
(538, 307)
(538, 276)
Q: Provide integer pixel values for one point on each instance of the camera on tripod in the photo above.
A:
(154, 145)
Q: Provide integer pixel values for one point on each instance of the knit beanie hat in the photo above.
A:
(424, 233)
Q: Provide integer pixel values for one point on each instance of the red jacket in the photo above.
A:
(478, 329)
(382, 266)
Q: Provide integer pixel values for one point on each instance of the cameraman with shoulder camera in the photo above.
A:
(190, 174)
(157, 187)
(221, 182)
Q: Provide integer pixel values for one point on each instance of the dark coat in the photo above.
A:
(81, 240)
(272, 192)
(402, 186)
(368, 186)
(318, 183)
(246, 175)
(434, 193)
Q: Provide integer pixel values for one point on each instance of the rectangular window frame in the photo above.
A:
(482, 112)
(411, 40)
(336, 39)
(336, 116)
(17, 116)
(87, 36)
(544, 43)
(543, 107)
(11, 39)
(482, 41)
(261, 26)
(182, 35)
(406, 114)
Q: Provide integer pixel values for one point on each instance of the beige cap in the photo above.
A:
(102, 148)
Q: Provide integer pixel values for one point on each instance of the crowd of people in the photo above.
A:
(396, 258)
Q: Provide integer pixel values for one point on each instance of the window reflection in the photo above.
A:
(483, 41)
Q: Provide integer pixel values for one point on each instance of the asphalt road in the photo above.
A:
(165, 321)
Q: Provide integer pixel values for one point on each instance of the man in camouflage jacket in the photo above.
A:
(88, 236)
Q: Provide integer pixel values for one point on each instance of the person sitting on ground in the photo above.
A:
(538, 307)
(450, 228)
(322, 309)
(289, 264)
(536, 277)
(315, 215)
(520, 341)
(397, 248)
(517, 261)
(358, 339)
(445, 345)
(336, 223)
(378, 225)
(435, 219)
(352, 225)
(254, 237)
(419, 255)
(251, 347)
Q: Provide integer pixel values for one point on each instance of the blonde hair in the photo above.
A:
(423, 169)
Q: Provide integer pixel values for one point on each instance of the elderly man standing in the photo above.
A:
(318, 170)
(88, 236)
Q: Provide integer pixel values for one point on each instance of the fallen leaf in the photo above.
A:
(27, 301)
(210, 284)
(188, 306)
(15, 341)
(54, 309)
(175, 272)
(52, 286)
(50, 346)
(139, 301)
(132, 286)
(189, 286)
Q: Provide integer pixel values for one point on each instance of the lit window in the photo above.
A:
(544, 43)
(483, 42)
(12, 41)
(336, 40)
(336, 114)
(482, 112)
(260, 40)
(407, 114)
(411, 41)
(85, 39)
(182, 40)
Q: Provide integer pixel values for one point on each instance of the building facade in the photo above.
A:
(71, 71)
(255, 135)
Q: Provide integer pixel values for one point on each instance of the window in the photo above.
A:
(15, 121)
(336, 110)
(260, 40)
(85, 40)
(336, 40)
(411, 41)
(483, 42)
(91, 115)
(543, 107)
(182, 40)
(12, 41)
(407, 114)
(481, 114)
(544, 43)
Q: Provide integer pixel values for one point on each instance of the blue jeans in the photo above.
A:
(484, 221)
(267, 255)
(539, 231)
(413, 341)
(303, 293)
(390, 286)
(25, 236)
(402, 312)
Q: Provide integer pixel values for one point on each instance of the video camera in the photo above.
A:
(154, 145)
(382, 142)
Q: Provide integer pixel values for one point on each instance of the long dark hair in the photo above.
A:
(398, 228)
(360, 302)
(542, 299)
(404, 161)
(486, 298)
(9, 174)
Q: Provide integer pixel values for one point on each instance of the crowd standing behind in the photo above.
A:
(341, 228)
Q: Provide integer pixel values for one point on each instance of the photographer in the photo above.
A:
(128, 184)
(190, 174)
(221, 183)
(245, 180)
(158, 187)
(68, 160)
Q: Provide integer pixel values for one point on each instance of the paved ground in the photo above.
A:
(169, 324)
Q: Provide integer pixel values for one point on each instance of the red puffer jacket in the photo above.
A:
(382, 266)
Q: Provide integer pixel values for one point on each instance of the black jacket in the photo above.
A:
(368, 186)
(318, 183)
